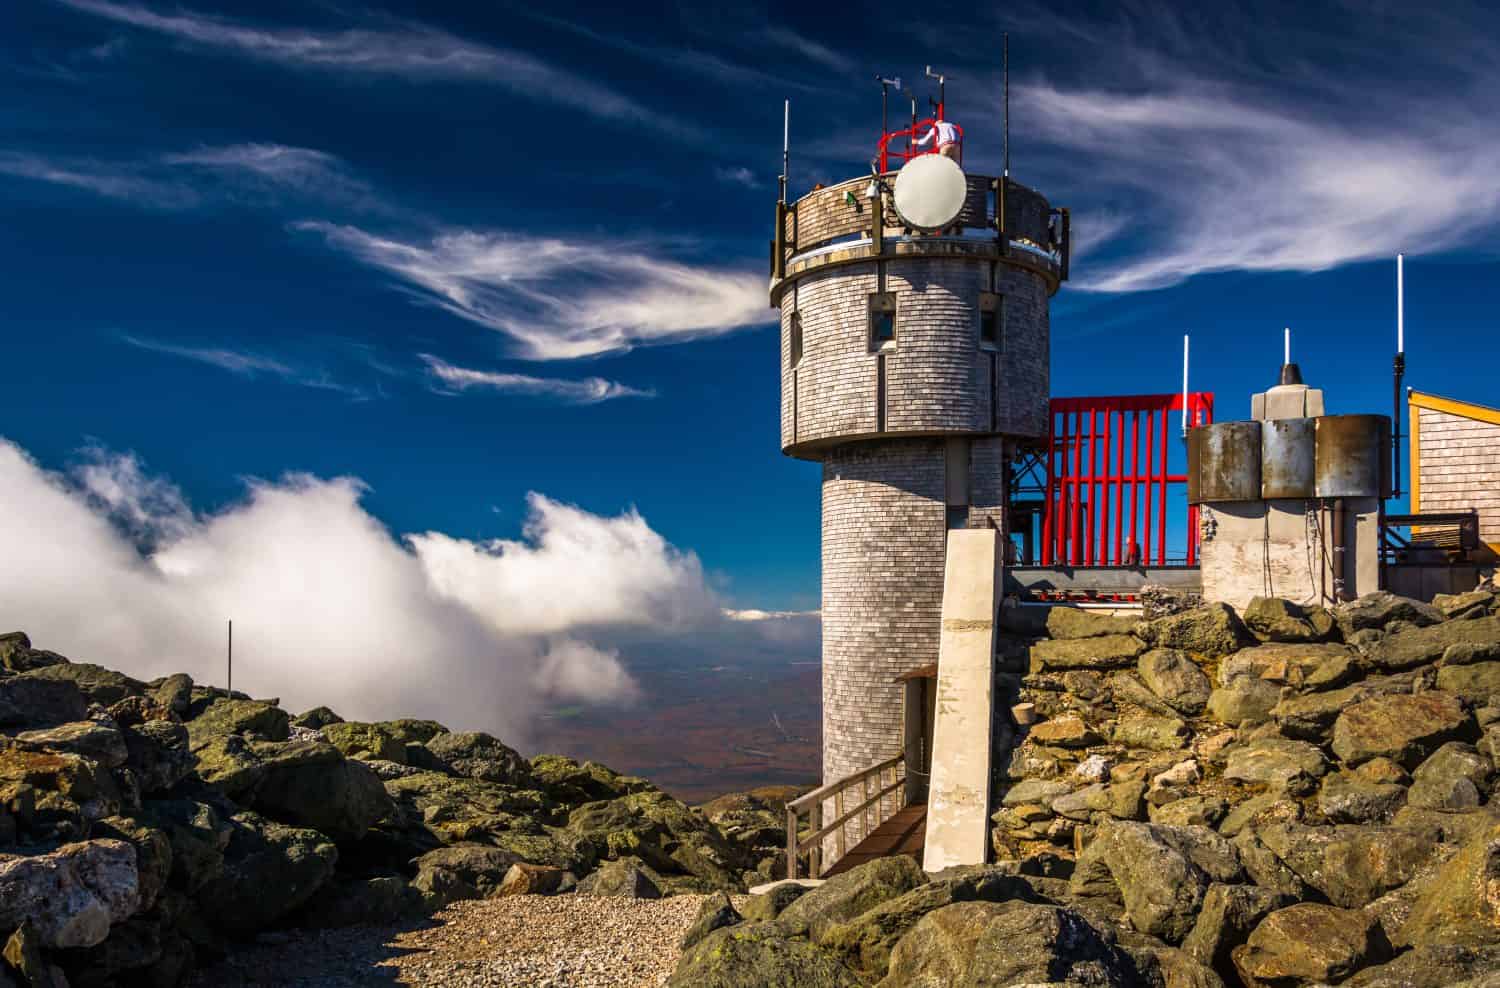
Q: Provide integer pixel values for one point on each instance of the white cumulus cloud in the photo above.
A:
(108, 564)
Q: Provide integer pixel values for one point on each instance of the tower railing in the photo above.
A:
(872, 809)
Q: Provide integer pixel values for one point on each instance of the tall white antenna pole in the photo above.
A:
(786, 143)
(1286, 345)
(1400, 303)
(1184, 385)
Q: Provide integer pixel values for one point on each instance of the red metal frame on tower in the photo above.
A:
(912, 133)
(1100, 499)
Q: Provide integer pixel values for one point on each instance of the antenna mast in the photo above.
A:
(1399, 369)
(1184, 386)
(1006, 128)
(786, 133)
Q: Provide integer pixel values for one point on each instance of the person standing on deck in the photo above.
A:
(947, 138)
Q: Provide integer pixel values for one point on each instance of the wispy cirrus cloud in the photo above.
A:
(560, 299)
(248, 364)
(1266, 138)
(404, 50)
(251, 173)
(581, 391)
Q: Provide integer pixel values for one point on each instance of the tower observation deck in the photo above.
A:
(914, 356)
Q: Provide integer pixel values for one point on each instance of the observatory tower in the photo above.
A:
(914, 357)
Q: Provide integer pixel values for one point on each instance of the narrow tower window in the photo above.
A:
(882, 321)
(796, 341)
(991, 319)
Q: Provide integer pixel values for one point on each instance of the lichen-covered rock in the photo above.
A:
(1345, 797)
(626, 878)
(479, 756)
(462, 871)
(1376, 610)
(360, 740)
(1176, 679)
(1161, 872)
(1244, 701)
(1310, 666)
(972, 944)
(1076, 622)
(98, 684)
(311, 784)
(1455, 777)
(1294, 766)
(567, 781)
(1272, 619)
(17, 655)
(1461, 905)
(716, 912)
(1477, 684)
(866, 941)
(1191, 811)
(316, 718)
(1211, 630)
(530, 879)
(1228, 915)
(846, 896)
(269, 871)
(1069, 731)
(1404, 728)
(157, 752)
(1150, 733)
(29, 702)
(70, 896)
(1308, 944)
(1412, 647)
(753, 955)
(1434, 967)
(251, 718)
(1101, 652)
(768, 905)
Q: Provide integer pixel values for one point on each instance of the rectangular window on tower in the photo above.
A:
(882, 321)
(796, 341)
(991, 320)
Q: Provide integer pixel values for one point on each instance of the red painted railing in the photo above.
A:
(910, 150)
(1108, 481)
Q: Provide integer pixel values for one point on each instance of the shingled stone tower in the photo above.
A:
(911, 363)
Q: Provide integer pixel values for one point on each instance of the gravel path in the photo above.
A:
(528, 941)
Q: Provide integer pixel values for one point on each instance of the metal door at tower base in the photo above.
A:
(1116, 480)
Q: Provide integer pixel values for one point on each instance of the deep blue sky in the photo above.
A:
(247, 239)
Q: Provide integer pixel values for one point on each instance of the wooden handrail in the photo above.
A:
(812, 805)
(806, 801)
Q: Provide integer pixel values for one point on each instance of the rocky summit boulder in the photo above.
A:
(625, 878)
(1210, 630)
(1272, 619)
(251, 718)
(100, 685)
(1293, 766)
(1469, 641)
(1376, 610)
(1347, 797)
(1008, 943)
(752, 955)
(26, 702)
(1403, 727)
(1455, 777)
(70, 896)
(1310, 944)
(1434, 967)
(1076, 622)
(1477, 684)
(1101, 652)
(1176, 680)
(716, 913)
(1244, 701)
(843, 897)
(311, 784)
(1303, 666)
(1461, 905)
(462, 871)
(358, 740)
(1228, 916)
(17, 655)
(269, 871)
(866, 941)
(477, 755)
(1161, 873)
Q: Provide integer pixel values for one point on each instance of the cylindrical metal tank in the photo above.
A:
(1351, 453)
(1224, 462)
(1287, 458)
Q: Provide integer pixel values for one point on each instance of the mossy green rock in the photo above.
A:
(845, 896)
(571, 783)
(269, 871)
(1411, 647)
(358, 740)
(252, 718)
(758, 955)
(102, 686)
(311, 784)
(1102, 652)
(1209, 630)
(866, 941)
(477, 755)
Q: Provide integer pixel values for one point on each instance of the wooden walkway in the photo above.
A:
(904, 833)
